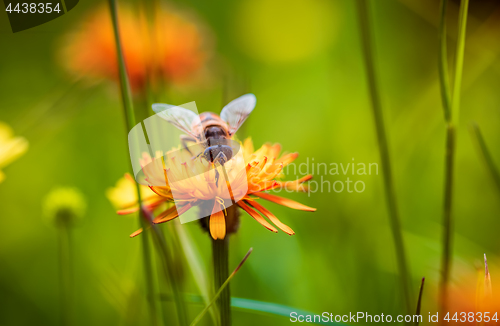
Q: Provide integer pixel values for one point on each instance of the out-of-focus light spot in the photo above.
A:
(281, 31)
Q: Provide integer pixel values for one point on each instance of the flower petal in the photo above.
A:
(257, 216)
(171, 213)
(275, 150)
(128, 210)
(287, 159)
(296, 185)
(217, 225)
(285, 228)
(284, 201)
(168, 212)
(136, 233)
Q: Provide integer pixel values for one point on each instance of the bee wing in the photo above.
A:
(182, 118)
(237, 111)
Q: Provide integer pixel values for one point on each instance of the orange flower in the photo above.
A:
(473, 298)
(170, 47)
(194, 182)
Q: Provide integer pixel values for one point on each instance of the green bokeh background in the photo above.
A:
(302, 59)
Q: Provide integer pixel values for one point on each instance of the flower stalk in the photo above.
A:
(220, 253)
(390, 193)
(63, 208)
(65, 278)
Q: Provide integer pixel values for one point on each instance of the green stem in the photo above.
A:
(443, 63)
(65, 277)
(452, 119)
(130, 123)
(447, 217)
(459, 61)
(220, 252)
(390, 193)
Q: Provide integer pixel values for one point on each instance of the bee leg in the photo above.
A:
(221, 159)
(196, 156)
(185, 139)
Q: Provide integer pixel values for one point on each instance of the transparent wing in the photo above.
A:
(237, 111)
(182, 118)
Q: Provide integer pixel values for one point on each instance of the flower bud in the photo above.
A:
(64, 206)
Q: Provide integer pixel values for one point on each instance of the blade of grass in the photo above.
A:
(390, 193)
(255, 306)
(419, 302)
(273, 309)
(221, 289)
(483, 151)
(130, 123)
(452, 123)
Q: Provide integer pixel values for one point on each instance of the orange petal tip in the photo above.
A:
(136, 233)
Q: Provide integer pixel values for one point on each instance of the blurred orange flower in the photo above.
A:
(169, 45)
(474, 301)
(196, 185)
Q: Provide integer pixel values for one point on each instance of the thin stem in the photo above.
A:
(443, 63)
(220, 252)
(447, 216)
(390, 193)
(459, 61)
(65, 277)
(452, 123)
(124, 82)
(130, 123)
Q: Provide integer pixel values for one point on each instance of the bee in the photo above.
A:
(212, 131)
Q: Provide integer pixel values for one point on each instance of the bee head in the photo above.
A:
(220, 153)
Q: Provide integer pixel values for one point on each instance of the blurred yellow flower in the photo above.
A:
(170, 45)
(64, 206)
(194, 183)
(124, 196)
(10, 147)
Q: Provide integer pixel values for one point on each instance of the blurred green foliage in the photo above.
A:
(314, 102)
